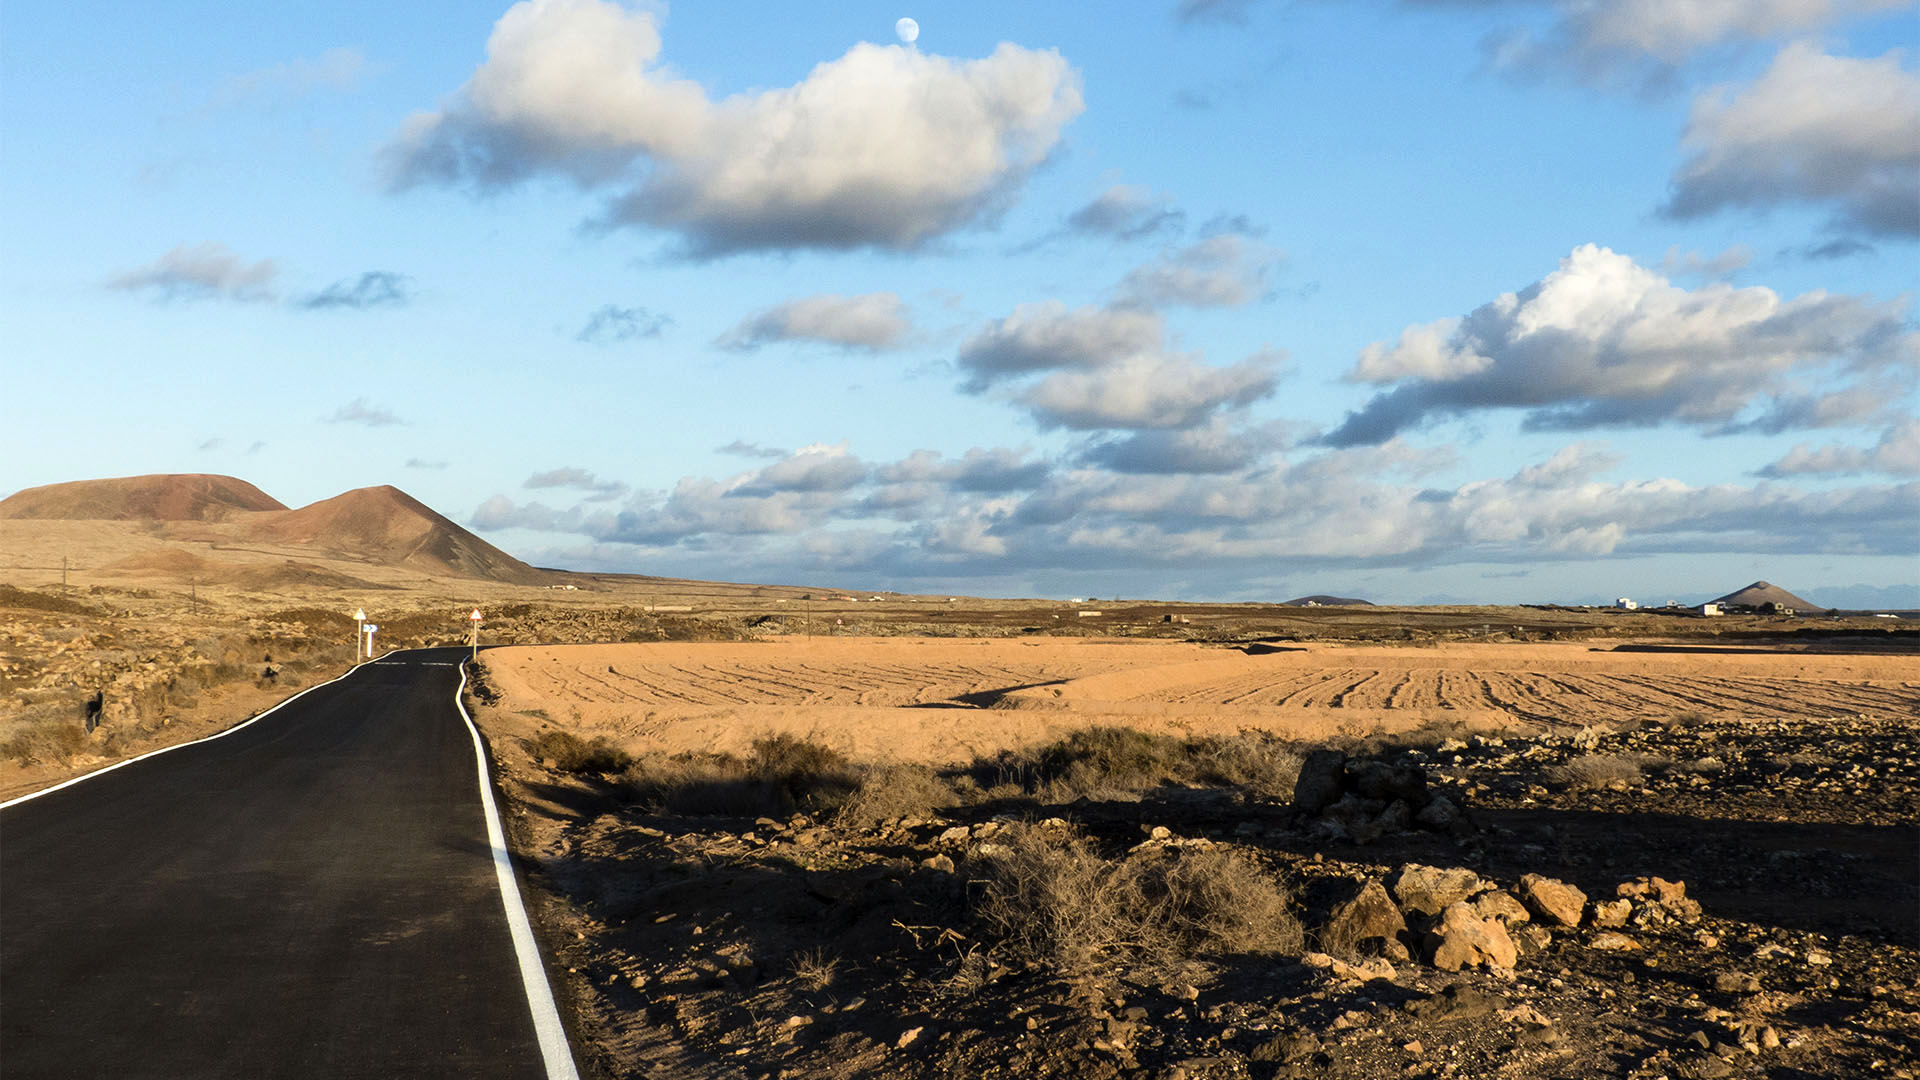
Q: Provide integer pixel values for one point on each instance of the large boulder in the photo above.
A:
(1556, 902)
(1464, 939)
(1429, 890)
(1369, 916)
(1319, 785)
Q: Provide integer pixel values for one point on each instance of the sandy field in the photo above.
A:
(948, 701)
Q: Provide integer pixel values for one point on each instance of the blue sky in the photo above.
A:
(1489, 300)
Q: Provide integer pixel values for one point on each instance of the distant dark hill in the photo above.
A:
(1323, 600)
(162, 497)
(1761, 592)
(386, 525)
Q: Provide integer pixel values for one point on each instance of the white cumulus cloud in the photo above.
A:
(885, 147)
(1604, 341)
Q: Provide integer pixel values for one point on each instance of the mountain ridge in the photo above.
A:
(380, 524)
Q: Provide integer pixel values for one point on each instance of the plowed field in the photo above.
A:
(947, 700)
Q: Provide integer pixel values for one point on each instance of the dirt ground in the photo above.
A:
(946, 701)
(1740, 828)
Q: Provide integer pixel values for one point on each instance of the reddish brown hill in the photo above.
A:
(162, 497)
(386, 525)
(1761, 592)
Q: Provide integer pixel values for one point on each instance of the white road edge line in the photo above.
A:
(546, 1017)
(176, 746)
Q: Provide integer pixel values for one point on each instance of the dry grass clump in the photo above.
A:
(51, 733)
(1589, 772)
(1106, 761)
(814, 969)
(570, 753)
(887, 792)
(1049, 896)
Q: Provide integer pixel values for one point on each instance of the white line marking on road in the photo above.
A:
(546, 1018)
(177, 746)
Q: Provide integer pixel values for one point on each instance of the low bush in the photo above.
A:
(570, 753)
(1119, 762)
(1592, 771)
(780, 774)
(886, 792)
(1048, 895)
(51, 733)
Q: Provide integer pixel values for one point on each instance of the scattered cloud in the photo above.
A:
(1896, 454)
(1826, 131)
(1844, 247)
(207, 445)
(596, 490)
(810, 469)
(742, 448)
(1603, 341)
(1725, 264)
(1047, 336)
(1227, 269)
(885, 147)
(1642, 43)
(1213, 447)
(1107, 369)
(998, 512)
(873, 322)
(423, 463)
(201, 272)
(256, 446)
(1233, 12)
(611, 324)
(373, 289)
(1165, 391)
(359, 411)
(342, 70)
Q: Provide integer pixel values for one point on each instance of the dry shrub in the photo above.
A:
(1254, 760)
(1049, 896)
(1686, 721)
(1121, 762)
(51, 733)
(814, 969)
(1215, 901)
(801, 773)
(571, 753)
(1591, 771)
(780, 774)
(886, 792)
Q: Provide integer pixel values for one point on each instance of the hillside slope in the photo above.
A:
(159, 497)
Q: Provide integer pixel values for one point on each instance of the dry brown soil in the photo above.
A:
(946, 701)
(1780, 785)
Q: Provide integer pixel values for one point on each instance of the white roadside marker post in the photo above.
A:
(370, 629)
(474, 636)
(359, 632)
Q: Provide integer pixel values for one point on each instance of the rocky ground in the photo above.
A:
(1702, 898)
(94, 677)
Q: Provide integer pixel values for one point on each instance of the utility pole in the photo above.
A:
(63, 572)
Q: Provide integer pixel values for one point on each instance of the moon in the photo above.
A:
(908, 30)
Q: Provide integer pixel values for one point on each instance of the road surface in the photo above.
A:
(313, 895)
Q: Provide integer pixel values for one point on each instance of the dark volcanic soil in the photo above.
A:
(715, 947)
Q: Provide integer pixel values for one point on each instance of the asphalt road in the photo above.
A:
(311, 896)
